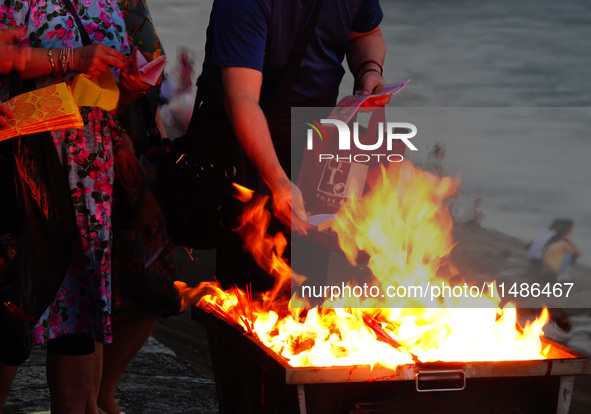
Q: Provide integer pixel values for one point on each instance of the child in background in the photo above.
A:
(560, 252)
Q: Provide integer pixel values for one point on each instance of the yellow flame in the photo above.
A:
(242, 193)
(404, 227)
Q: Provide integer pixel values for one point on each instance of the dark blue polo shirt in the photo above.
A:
(260, 34)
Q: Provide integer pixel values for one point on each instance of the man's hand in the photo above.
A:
(288, 206)
(371, 83)
(242, 87)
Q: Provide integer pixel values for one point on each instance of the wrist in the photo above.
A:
(146, 91)
(51, 56)
(363, 84)
(66, 60)
(279, 183)
(368, 65)
(74, 63)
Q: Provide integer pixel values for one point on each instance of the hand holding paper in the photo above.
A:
(147, 72)
(46, 109)
(349, 105)
(95, 59)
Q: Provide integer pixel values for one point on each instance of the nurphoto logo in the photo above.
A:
(393, 131)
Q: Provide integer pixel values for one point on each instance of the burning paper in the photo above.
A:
(404, 226)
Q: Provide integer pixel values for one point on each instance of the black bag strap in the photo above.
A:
(85, 38)
(50, 169)
(293, 65)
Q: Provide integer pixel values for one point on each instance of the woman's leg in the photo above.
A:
(128, 337)
(7, 373)
(71, 365)
(69, 381)
(91, 404)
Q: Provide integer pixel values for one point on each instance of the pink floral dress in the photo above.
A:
(83, 303)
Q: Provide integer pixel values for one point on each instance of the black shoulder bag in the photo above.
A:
(196, 180)
(37, 230)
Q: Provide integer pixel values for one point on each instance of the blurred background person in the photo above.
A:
(143, 270)
(435, 160)
(560, 253)
(178, 95)
(535, 249)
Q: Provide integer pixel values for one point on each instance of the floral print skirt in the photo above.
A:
(82, 305)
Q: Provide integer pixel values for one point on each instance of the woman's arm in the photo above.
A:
(572, 248)
(91, 60)
(13, 57)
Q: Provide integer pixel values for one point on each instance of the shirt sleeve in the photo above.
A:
(240, 33)
(368, 17)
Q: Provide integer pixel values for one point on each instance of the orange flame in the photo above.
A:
(242, 193)
(404, 226)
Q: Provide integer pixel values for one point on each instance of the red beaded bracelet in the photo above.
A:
(367, 62)
(371, 70)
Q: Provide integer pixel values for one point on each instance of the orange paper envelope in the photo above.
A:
(99, 91)
(46, 109)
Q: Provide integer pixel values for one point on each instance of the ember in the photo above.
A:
(404, 226)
